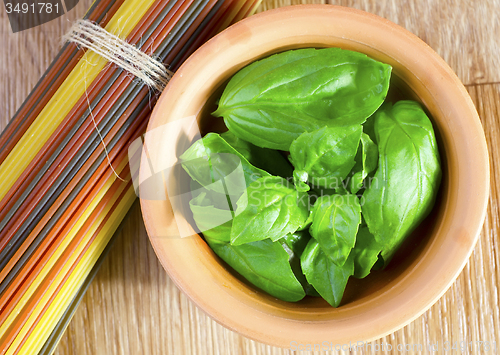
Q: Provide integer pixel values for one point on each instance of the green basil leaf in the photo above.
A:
(214, 223)
(369, 128)
(212, 198)
(310, 290)
(265, 264)
(365, 253)
(296, 241)
(404, 187)
(379, 264)
(308, 221)
(342, 190)
(214, 164)
(274, 100)
(366, 162)
(269, 208)
(294, 244)
(335, 224)
(269, 160)
(324, 157)
(327, 278)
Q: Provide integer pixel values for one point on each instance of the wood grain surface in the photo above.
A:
(132, 306)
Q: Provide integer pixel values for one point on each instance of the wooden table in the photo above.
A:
(132, 306)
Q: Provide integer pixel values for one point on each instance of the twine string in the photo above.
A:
(91, 36)
(152, 72)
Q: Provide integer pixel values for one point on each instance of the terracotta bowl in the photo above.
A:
(424, 267)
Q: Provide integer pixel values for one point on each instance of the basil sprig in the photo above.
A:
(358, 185)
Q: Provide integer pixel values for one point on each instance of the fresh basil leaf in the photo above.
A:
(365, 253)
(269, 208)
(218, 200)
(406, 182)
(265, 264)
(366, 162)
(341, 190)
(328, 279)
(308, 221)
(294, 244)
(296, 241)
(335, 223)
(214, 164)
(310, 290)
(324, 157)
(369, 128)
(379, 264)
(274, 100)
(269, 160)
(214, 223)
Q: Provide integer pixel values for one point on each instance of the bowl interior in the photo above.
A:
(430, 259)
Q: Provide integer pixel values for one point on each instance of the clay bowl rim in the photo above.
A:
(232, 303)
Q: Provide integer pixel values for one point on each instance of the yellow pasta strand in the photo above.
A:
(61, 302)
(57, 254)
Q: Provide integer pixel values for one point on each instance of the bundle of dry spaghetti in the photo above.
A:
(65, 179)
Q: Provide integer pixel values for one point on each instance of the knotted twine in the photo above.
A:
(91, 36)
(153, 73)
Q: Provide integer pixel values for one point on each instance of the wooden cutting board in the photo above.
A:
(132, 306)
